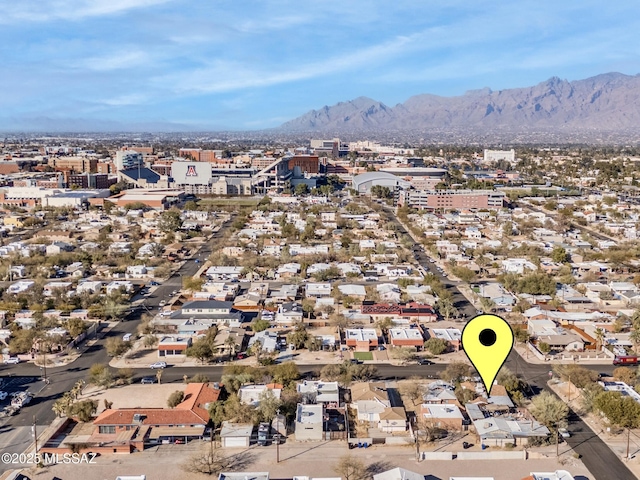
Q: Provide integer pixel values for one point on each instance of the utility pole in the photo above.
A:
(35, 435)
(278, 439)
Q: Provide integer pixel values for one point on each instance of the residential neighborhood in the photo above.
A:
(319, 301)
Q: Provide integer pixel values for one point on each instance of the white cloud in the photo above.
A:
(225, 76)
(117, 61)
(52, 10)
(123, 100)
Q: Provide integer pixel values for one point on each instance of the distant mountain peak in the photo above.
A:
(604, 102)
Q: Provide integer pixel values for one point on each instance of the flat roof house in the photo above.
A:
(362, 339)
(309, 422)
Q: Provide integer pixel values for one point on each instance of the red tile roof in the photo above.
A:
(192, 410)
(196, 397)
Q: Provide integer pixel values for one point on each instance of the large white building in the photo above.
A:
(497, 155)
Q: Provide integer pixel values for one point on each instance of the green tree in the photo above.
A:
(465, 274)
(446, 308)
(621, 411)
(549, 410)
(200, 349)
(83, 410)
(436, 346)
(299, 336)
(175, 399)
(560, 255)
(117, 347)
(521, 334)
(190, 205)
(268, 406)
(100, 375)
(75, 326)
(455, 372)
(301, 189)
(260, 325)
(169, 221)
(285, 373)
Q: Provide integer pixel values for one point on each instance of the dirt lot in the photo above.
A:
(132, 396)
(311, 459)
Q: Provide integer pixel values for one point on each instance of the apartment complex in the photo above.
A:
(453, 199)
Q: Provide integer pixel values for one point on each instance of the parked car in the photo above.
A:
(11, 360)
(3, 395)
(147, 380)
(155, 365)
(162, 303)
(424, 361)
(564, 433)
(241, 355)
(153, 284)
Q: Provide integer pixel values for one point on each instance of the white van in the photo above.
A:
(126, 337)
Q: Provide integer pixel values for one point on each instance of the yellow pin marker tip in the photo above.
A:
(487, 341)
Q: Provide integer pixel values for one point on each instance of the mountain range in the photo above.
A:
(604, 103)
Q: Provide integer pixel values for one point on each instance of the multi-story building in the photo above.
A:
(76, 164)
(333, 147)
(128, 159)
(307, 163)
(204, 178)
(452, 199)
(88, 180)
(143, 150)
(198, 155)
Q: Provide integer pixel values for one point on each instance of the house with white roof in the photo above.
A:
(316, 290)
(517, 265)
(251, 394)
(319, 392)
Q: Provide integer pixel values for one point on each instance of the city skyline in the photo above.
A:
(172, 64)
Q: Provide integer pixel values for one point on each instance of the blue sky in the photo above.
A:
(255, 64)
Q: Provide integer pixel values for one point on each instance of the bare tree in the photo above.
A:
(350, 468)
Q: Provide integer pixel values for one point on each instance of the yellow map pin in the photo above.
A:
(487, 340)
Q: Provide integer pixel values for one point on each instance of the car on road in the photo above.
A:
(155, 365)
(424, 361)
(147, 380)
(11, 360)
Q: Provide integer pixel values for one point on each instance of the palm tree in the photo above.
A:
(230, 342)
(599, 338)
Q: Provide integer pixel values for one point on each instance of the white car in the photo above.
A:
(153, 366)
(11, 360)
(3, 395)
